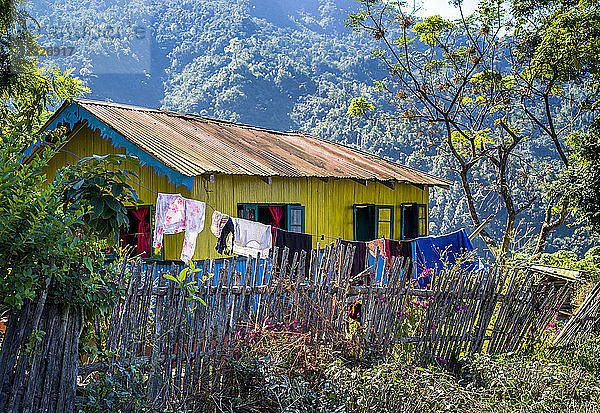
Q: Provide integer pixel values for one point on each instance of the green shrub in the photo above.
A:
(122, 388)
(397, 387)
(590, 263)
(583, 356)
(533, 384)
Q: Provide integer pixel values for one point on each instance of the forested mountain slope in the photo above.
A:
(279, 64)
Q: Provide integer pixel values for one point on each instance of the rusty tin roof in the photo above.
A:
(193, 145)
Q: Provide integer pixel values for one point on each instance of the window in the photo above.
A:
(295, 218)
(423, 221)
(139, 233)
(289, 217)
(373, 221)
(414, 221)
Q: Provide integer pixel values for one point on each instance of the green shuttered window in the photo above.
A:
(290, 217)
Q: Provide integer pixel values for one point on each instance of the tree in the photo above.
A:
(61, 221)
(489, 85)
(53, 234)
(581, 182)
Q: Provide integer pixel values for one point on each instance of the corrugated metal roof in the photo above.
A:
(194, 145)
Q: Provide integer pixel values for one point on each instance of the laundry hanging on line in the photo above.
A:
(251, 238)
(442, 253)
(390, 248)
(295, 241)
(360, 255)
(402, 248)
(175, 214)
(221, 227)
(377, 246)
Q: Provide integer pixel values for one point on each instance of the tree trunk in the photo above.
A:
(38, 358)
(548, 226)
(491, 244)
(507, 237)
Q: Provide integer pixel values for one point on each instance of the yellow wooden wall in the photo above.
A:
(328, 205)
(85, 143)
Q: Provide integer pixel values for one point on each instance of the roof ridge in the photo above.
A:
(184, 115)
(363, 152)
(228, 122)
(114, 104)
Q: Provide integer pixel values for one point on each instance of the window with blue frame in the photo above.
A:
(376, 221)
(373, 221)
(290, 217)
(414, 220)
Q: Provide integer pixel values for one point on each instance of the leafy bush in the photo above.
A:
(590, 263)
(540, 383)
(396, 386)
(583, 356)
(522, 383)
(120, 388)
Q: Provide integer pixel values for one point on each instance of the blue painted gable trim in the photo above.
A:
(74, 113)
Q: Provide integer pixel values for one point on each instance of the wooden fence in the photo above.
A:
(582, 324)
(185, 337)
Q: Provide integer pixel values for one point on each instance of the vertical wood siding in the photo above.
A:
(85, 143)
(329, 204)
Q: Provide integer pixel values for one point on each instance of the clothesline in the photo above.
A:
(209, 205)
(156, 193)
(312, 235)
(214, 209)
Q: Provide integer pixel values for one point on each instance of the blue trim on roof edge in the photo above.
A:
(74, 113)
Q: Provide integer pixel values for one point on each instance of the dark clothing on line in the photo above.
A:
(222, 241)
(295, 241)
(358, 264)
(399, 249)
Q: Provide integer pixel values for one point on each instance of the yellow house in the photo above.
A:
(319, 187)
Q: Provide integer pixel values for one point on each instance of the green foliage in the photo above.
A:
(34, 339)
(359, 106)
(49, 237)
(491, 384)
(26, 89)
(519, 382)
(386, 386)
(568, 46)
(581, 182)
(104, 193)
(46, 235)
(432, 28)
(123, 386)
(590, 263)
(582, 356)
(189, 288)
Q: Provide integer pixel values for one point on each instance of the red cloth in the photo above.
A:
(277, 213)
(143, 236)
